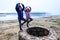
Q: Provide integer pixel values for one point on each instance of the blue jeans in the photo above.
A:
(20, 24)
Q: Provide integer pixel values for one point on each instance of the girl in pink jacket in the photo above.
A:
(27, 12)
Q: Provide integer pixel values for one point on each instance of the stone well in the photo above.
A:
(38, 33)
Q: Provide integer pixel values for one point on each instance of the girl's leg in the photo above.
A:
(20, 25)
(27, 22)
(30, 19)
(24, 21)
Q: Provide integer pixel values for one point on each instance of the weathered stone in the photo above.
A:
(52, 35)
(37, 31)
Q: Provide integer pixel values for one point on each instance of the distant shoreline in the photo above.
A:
(54, 16)
(14, 16)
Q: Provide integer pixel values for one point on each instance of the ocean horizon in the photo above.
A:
(13, 16)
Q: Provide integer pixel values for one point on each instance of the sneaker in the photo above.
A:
(21, 30)
(27, 26)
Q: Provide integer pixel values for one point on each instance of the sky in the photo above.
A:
(49, 6)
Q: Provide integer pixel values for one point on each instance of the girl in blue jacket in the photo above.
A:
(20, 8)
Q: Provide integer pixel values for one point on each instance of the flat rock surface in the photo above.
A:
(52, 35)
(9, 29)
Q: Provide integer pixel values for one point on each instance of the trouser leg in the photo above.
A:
(29, 20)
(27, 23)
(20, 24)
(24, 21)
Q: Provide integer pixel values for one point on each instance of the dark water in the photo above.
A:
(12, 16)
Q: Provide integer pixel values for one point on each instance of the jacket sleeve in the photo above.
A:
(23, 6)
(17, 7)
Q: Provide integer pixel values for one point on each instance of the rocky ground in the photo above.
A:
(9, 29)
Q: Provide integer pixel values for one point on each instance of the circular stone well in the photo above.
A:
(37, 31)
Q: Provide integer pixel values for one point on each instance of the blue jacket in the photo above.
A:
(20, 13)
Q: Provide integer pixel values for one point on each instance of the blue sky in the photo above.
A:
(49, 6)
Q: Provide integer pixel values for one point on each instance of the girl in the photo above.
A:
(20, 8)
(27, 12)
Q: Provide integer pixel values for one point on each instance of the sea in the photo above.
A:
(13, 16)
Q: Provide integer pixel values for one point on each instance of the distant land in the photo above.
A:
(31, 12)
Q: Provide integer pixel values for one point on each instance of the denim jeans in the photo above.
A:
(20, 24)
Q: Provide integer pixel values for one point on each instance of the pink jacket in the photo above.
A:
(27, 15)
